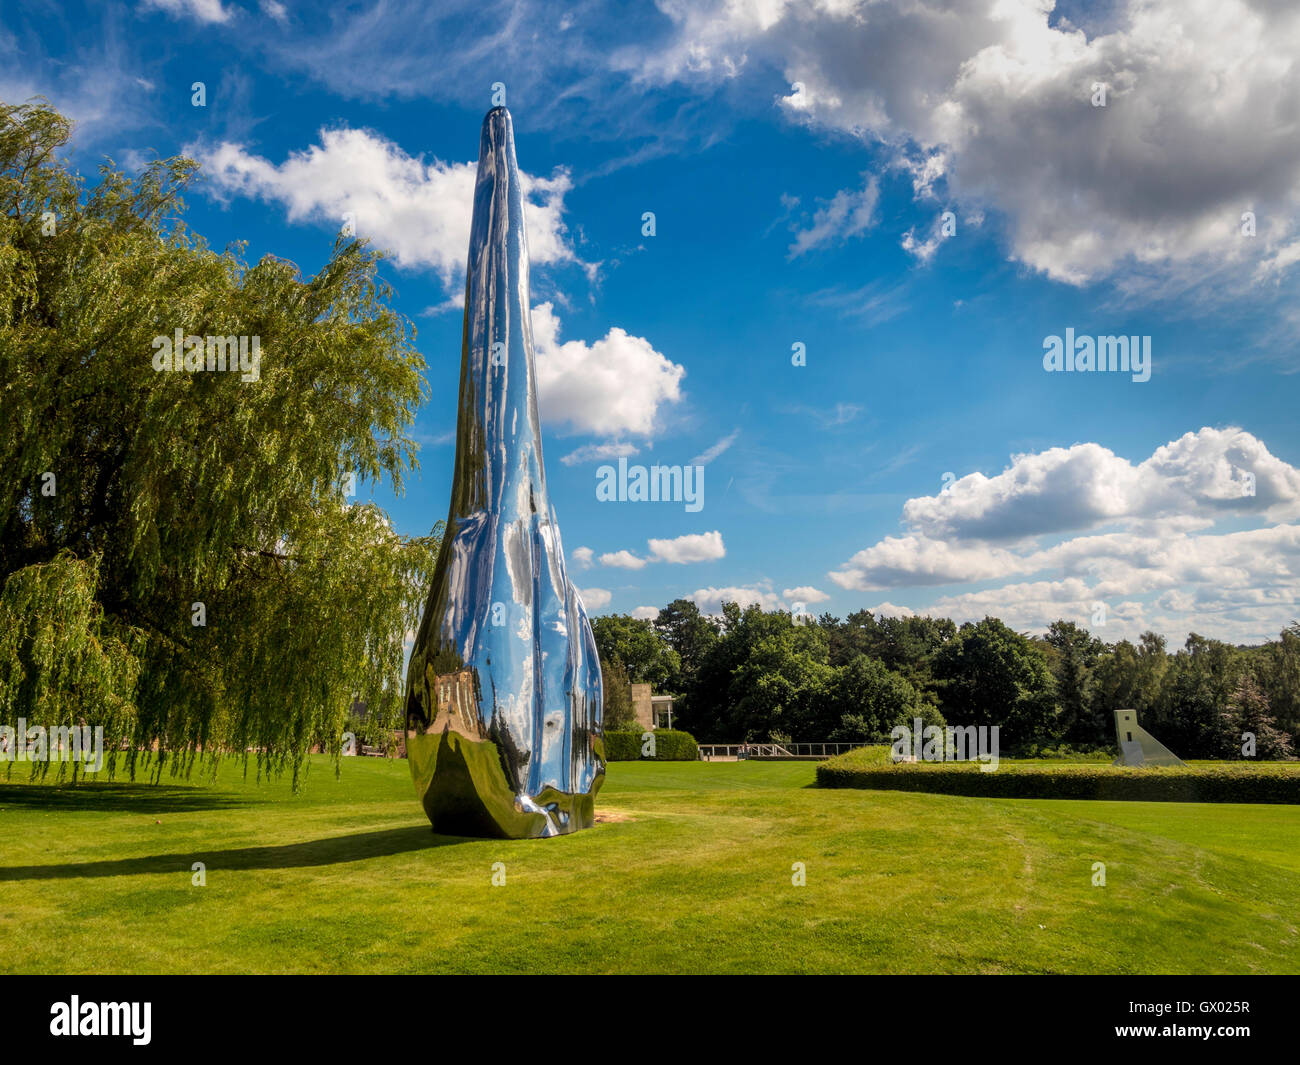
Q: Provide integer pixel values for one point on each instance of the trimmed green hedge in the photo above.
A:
(670, 746)
(1237, 782)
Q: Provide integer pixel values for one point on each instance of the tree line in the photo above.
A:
(755, 675)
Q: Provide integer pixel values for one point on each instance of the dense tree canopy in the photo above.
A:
(758, 675)
(1072, 655)
(690, 634)
(770, 676)
(179, 561)
(633, 642)
(992, 675)
(1247, 717)
(1278, 669)
(867, 699)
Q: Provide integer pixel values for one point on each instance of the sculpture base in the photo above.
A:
(464, 790)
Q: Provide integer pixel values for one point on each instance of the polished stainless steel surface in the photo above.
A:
(503, 705)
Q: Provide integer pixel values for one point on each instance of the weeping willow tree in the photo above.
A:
(179, 562)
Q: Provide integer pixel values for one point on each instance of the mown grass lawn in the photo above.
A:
(693, 876)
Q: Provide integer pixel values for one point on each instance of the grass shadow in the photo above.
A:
(128, 798)
(332, 851)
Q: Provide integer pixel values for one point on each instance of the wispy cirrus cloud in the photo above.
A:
(873, 304)
(716, 450)
(849, 213)
(600, 453)
(102, 85)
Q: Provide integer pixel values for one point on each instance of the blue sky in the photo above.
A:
(798, 160)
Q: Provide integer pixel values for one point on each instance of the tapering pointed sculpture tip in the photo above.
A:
(498, 125)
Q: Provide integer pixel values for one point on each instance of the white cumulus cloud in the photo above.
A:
(805, 593)
(595, 598)
(1080, 532)
(418, 210)
(622, 560)
(994, 101)
(710, 600)
(613, 386)
(693, 547)
(1201, 474)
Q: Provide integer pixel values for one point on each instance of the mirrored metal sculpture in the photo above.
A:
(503, 701)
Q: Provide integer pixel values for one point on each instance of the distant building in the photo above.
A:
(651, 711)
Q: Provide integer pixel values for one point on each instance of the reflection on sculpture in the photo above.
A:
(503, 701)
(1137, 746)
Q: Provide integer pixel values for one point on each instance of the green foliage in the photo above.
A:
(753, 675)
(671, 745)
(691, 635)
(991, 675)
(1195, 685)
(906, 645)
(1187, 699)
(619, 713)
(779, 686)
(763, 674)
(60, 655)
(766, 675)
(1130, 677)
(757, 674)
(868, 700)
(1247, 712)
(1221, 783)
(634, 643)
(1072, 655)
(874, 754)
(622, 745)
(176, 488)
(1064, 752)
(1278, 669)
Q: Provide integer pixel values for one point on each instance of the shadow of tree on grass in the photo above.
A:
(126, 798)
(332, 851)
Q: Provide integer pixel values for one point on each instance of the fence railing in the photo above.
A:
(711, 751)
